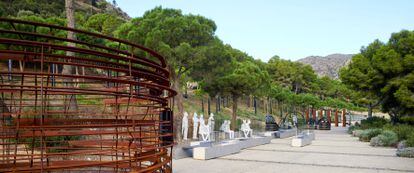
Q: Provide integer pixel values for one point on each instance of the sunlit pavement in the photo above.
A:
(332, 151)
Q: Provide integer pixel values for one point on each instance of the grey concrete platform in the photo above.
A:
(255, 141)
(223, 149)
(270, 133)
(301, 140)
(286, 133)
(331, 151)
(208, 150)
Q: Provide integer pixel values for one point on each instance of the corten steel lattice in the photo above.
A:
(110, 114)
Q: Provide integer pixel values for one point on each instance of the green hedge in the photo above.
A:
(410, 140)
(402, 130)
(407, 120)
(373, 122)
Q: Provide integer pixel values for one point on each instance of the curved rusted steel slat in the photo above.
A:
(108, 113)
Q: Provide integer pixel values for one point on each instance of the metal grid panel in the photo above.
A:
(109, 114)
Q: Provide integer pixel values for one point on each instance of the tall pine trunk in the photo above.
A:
(208, 105)
(369, 110)
(234, 114)
(71, 103)
(180, 106)
(255, 105)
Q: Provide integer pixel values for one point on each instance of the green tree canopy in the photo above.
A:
(244, 79)
(384, 72)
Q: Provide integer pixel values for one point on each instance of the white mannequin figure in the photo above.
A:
(195, 125)
(211, 122)
(248, 125)
(223, 126)
(201, 119)
(226, 129)
(245, 128)
(184, 126)
(204, 130)
(295, 120)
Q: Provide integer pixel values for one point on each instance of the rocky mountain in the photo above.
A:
(327, 65)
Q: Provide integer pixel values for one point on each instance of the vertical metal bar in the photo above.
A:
(10, 69)
(42, 112)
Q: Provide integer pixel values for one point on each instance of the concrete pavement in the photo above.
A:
(332, 151)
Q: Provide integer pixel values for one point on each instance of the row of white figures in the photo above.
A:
(245, 128)
(225, 127)
(205, 130)
(199, 126)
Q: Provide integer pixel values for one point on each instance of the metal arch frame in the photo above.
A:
(119, 124)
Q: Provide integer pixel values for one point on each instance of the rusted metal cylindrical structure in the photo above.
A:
(105, 108)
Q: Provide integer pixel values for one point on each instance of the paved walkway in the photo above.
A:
(332, 151)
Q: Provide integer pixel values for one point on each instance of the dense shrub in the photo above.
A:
(402, 130)
(410, 140)
(373, 122)
(367, 134)
(406, 152)
(407, 120)
(386, 138)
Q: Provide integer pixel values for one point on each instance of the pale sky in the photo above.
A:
(293, 29)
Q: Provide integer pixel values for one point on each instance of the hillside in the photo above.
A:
(56, 8)
(328, 65)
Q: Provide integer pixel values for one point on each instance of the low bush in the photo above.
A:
(402, 144)
(357, 133)
(373, 122)
(367, 134)
(406, 152)
(352, 128)
(386, 138)
(402, 130)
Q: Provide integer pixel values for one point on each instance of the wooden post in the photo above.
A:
(314, 114)
(336, 117)
(307, 115)
(328, 115)
(343, 118)
(320, 114)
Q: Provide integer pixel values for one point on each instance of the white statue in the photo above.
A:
(184, 126)
(295, 120)
(211, 122)
(204, 130)
(245, 128)
(195, 125)
(225, 127)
